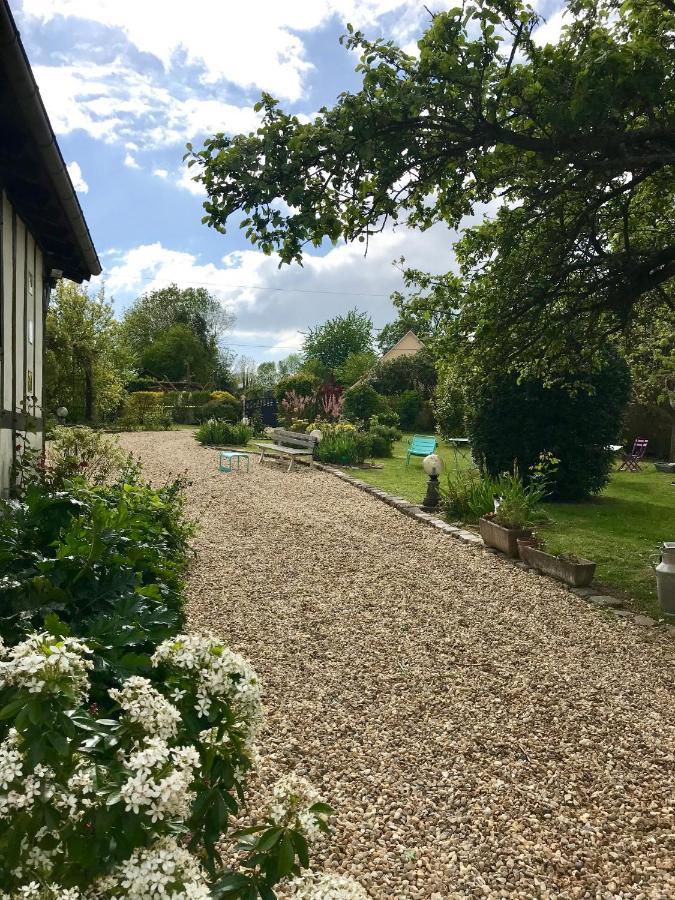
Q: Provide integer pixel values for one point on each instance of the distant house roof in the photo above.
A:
(409, 345)
(32, 170)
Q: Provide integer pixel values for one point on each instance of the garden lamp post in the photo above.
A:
(61, 414)
(433, 466)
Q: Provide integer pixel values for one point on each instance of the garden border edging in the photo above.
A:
(602, 601)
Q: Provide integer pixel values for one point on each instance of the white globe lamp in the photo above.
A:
(433, 467)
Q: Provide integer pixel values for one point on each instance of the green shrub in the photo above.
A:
(131, 741)
(78, 450)
(145, 409)
(425, 420)
(218, 409)
(108, 561)
(407, 406)
(468, 496)
(450, 410)
(217, 431)
(383, 438)
(344, 447)
(361, 402)
(514, 423)
(302, 384)
(405, 373)
(519, 504)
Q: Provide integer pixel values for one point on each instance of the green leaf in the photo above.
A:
(8, 711)
(285, 857)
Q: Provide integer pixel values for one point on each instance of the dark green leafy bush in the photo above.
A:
(217, 409)
(382, 437)
(134, 741)
(361, 402)
(511, 423)
(217, 431)
(449, 410)
(406, 373)
(303, 384)
(344, 447)
(407, 406)
(107, 561)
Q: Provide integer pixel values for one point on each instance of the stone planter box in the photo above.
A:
(578, 573)
(504, 539)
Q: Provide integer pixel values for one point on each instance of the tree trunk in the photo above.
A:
(88, 391)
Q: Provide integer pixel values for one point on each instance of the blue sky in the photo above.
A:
(127, 83)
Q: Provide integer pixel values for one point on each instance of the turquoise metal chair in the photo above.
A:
(420, 445)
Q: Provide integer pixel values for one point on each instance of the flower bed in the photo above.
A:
(125, 744)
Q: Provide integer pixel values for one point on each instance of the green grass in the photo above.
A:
(620, 530)
(410, 481)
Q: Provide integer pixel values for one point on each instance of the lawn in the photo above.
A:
(620, 530)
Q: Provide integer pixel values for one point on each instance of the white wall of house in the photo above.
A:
(21, 292)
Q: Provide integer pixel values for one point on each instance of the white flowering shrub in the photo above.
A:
(326, 887)
(131, 799)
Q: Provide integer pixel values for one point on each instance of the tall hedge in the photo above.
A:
(511, 422)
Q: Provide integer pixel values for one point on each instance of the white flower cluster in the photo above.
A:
(327, 887)
(292, 797)
(44, 662)
(35, 891)
(219, 672)
(20, 791)
(160, 780)
(144, 706)
(166, 870)
(81, 793)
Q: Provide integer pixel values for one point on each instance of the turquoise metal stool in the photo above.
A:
(228, 456)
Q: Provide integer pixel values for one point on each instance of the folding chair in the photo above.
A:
(631, 461)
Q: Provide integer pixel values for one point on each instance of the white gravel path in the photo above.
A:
(480, 731)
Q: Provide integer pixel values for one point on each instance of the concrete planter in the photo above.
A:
(504, 539)
(578, 573)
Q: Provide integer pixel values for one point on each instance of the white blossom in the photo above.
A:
(219, 673)
(327, 887)
(144, 706)
(165, 870)
(292, 797)
(152, 790)
(44, 663)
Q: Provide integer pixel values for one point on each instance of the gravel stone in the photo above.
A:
(480, 732)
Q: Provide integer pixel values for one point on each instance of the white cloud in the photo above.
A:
(186, 181)
(76, 177)
(549, 32)
(130, 162)
(253, 45)
(160, 173)
(117, 104)
(273, 306)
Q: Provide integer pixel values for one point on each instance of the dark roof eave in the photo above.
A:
(27, 94)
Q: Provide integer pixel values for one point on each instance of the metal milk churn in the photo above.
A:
(665, 578)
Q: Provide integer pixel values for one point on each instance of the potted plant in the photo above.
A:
(517, 510)
(573, 570)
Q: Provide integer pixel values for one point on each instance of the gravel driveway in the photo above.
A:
(480, 731)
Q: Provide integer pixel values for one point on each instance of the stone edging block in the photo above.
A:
(601, 601)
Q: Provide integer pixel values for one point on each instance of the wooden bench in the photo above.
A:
(291, 444)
